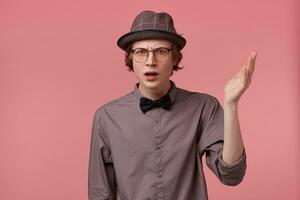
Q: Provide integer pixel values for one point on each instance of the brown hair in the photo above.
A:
(176, 55)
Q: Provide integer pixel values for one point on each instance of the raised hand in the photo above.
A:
(238, 84)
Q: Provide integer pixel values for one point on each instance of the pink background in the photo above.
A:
(59, 62)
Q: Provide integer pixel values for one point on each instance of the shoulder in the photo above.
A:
(116, 103)
(184, 94)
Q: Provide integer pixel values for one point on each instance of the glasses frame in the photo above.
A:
(168, 49)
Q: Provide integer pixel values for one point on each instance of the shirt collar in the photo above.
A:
(171, 92)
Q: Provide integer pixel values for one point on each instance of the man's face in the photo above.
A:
(162, 67)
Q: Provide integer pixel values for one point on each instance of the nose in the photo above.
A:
(151, 60)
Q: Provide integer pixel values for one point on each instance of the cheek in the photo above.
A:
(137, 70)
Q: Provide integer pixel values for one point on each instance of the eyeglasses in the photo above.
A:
(141, 55)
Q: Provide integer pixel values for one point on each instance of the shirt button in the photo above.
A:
(159, 174)
(105, 194)
(156, 121)
(158, 147)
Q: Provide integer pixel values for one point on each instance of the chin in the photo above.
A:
(153, 84)
(150, 84)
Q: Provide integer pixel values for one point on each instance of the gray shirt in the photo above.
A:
(157, 155)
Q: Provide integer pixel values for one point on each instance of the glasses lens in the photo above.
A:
(161, 54)
(140, 55)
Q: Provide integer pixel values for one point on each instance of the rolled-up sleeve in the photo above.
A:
(228, 174)
(211, 143)
(232, 174)
(101, 174)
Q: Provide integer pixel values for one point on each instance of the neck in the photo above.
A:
(155, 93)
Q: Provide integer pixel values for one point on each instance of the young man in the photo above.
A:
(149, 143)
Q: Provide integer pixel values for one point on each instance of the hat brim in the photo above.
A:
(130, 37)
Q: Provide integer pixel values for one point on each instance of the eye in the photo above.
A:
(161, 51)
(140, 52)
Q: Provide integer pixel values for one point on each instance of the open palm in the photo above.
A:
(237, 85)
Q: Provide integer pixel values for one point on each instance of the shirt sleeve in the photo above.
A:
(211, 143)
(101, 174)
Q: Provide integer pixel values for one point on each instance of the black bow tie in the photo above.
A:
(147, 104)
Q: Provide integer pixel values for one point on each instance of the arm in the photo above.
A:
(233, 144)
(221, 139)
(212, 141)
(101, 175)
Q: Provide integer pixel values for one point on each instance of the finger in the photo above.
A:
(251, 63)
(244, 73)
(251, 66)
(247, 80)
(250, 70)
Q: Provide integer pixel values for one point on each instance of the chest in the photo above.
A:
(134, 135)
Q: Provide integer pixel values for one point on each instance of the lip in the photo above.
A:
(151, 77)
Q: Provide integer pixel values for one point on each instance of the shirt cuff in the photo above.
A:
(232, 174)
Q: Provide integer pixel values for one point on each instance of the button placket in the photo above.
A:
(157, 147)
(158, 155)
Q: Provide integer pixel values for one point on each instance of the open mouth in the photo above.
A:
(151, 75)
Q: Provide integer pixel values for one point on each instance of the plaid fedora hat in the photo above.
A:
(152, 25)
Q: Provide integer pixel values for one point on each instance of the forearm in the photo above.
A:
(233, 142)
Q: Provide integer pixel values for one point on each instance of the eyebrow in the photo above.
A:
(153, 48)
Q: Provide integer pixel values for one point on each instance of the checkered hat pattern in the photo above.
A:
(152, 25)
